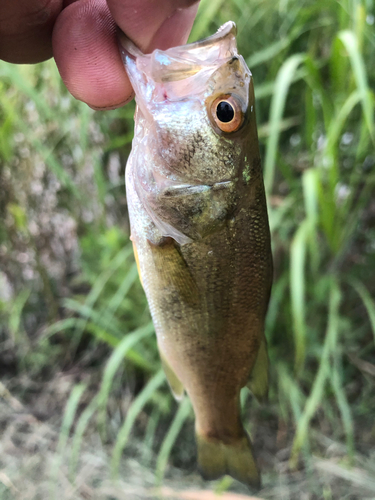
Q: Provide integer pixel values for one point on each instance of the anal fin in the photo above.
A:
(258, 383)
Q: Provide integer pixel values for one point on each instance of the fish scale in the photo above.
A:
(200, 232)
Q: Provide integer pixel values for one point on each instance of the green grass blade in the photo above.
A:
(283, 81)
(67, 422)
(207, 12)
(13, 73)
(102, 333)
(274, 308)
(268, 88)
(123, 289)
(289, 393)
(136, 358)
(338, 122)
(342, 402)
(350, 43)
(119, 259)
(297, 291)
(113, 364)
(324, 371)
(69, 414)
(136, 407)
(99, 318)
(268, 52)
(311, 201)
(16, 313)
(81, 426)
(148, 440)
(182, 414)
(314, 79)
(60, 326)
(367, 300)
(278, 216)
(285, 124)
(310, 195)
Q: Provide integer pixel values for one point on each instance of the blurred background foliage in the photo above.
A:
(70, 298)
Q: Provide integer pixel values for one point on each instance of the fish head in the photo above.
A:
(195, 129)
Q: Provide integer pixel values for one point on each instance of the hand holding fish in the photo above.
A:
(81, 35)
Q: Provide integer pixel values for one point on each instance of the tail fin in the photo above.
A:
(216, 458)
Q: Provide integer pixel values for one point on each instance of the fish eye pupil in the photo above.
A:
(225, 111)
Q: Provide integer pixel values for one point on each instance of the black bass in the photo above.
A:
(200, 232)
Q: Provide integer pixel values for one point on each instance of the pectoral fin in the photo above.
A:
(137, 261)
(258, 383)
(174, 383)
(176, 274)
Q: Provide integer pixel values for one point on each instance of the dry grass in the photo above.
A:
(32, 468)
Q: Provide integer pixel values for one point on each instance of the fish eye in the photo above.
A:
(227, 113)
(224, 111)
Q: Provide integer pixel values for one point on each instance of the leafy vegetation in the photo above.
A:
(69, 292)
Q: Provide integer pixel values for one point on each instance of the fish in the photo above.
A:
(201, 237)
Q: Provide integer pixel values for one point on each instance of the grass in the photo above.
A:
(71, 296)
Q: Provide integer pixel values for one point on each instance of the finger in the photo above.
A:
(86, 53)
(154, 24)
(175, 30)
(26, 29)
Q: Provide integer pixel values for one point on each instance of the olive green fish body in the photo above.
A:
(200, 231)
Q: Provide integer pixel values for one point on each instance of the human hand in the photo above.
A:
(81, 35)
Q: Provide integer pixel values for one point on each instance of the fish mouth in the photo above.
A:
(189, 189)
(179, 63)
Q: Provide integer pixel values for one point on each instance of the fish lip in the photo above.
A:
(186, 60)
(228, 28)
